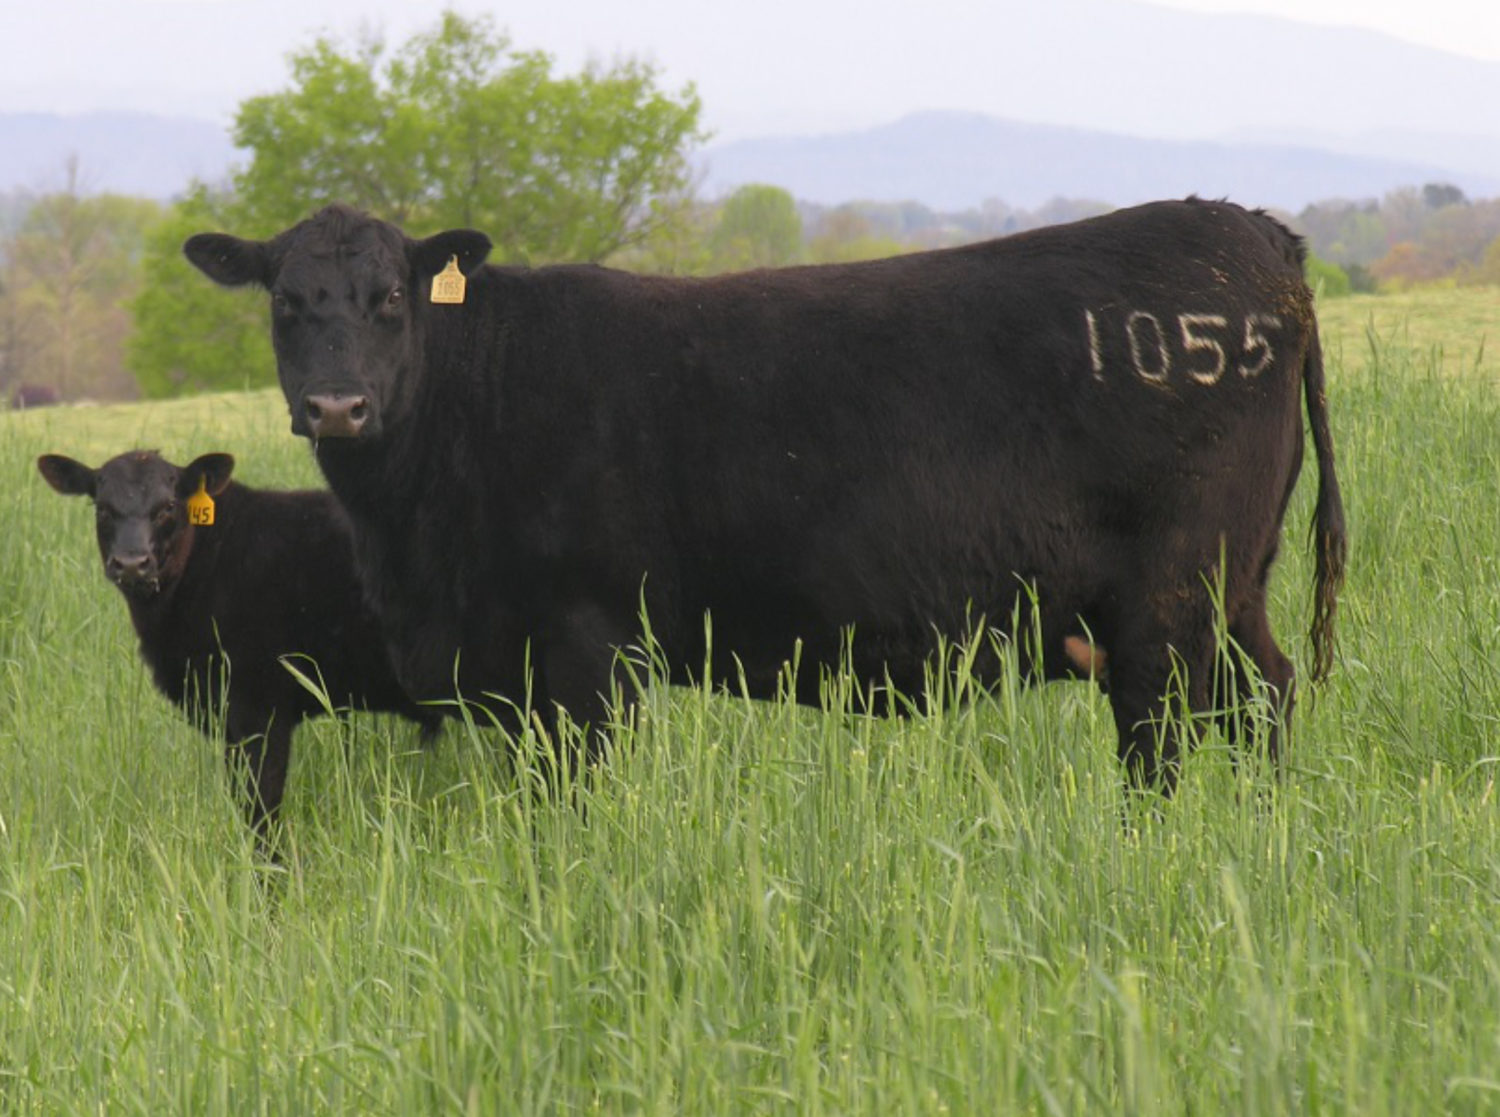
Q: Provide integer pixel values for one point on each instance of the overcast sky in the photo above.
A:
(763, 67)
(1470, 27)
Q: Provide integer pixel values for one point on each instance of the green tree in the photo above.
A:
(456, 129)
(1327, 279)
(192, 336)
(758, 227)
(680, 247)
(1439, 195)
(452, 129)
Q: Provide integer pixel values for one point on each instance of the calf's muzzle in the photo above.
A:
(130, 569)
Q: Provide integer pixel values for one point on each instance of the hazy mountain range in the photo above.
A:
(952, 161)
(1099, 99)
(946, 160)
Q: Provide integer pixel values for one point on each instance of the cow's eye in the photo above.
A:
(166, 513)
(396, 298)
(280, 304)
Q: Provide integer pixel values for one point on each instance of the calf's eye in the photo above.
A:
(394, 300)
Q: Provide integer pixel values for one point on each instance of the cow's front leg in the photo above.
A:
(582, 671)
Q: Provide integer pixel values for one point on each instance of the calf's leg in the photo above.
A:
(257, 763)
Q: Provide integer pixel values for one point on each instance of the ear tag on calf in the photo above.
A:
(449, 284)
(200, 506)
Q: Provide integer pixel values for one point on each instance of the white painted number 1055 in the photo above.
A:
(1207, 344)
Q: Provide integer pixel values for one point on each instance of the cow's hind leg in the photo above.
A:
(1160, 677)
(1254, 645)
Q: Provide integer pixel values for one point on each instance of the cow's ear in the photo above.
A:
(430, 256)
(213, 469)
(69, 477)
(229, 260)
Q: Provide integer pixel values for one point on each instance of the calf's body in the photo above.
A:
(218, 606)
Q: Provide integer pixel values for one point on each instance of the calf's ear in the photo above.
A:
(213, 469)
(229, 260)
(430, 256)
(69, 477)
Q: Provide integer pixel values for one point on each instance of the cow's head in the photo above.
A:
(140, 511)
(348, 303)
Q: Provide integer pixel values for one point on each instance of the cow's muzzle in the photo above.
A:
(335, 416)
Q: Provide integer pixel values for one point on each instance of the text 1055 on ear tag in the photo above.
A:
(200, 506)
(449, 284)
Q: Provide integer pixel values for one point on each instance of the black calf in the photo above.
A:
(223, 582)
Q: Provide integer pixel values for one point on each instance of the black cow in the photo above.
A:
(271, 577)
(1102, 421)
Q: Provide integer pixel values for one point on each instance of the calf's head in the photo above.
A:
(140, 511)
(349, 301)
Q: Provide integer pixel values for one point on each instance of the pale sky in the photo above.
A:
(1470, 27)
(772, 66)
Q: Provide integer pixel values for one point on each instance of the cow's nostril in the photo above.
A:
(314, 412)
(359, 411)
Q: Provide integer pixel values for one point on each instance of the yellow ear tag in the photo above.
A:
(200, 506)
(449, 284)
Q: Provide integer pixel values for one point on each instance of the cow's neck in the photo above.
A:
(402, 492)
(418, 461)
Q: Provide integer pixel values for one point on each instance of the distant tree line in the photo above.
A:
(457, 128)
(69, 264)
(1412, 235)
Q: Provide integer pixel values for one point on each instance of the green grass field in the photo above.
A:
(757, 908)
(1455, 330)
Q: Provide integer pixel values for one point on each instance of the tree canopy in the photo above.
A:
(457, 129)
(758, 227)
(191, 335)
(453, 128)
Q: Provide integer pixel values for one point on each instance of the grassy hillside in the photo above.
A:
(758, 908)
(1456, 330)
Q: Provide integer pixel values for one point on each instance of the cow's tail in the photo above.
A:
(1330, 542)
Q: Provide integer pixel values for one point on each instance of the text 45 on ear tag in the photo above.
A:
(200, 506)
(449, 284)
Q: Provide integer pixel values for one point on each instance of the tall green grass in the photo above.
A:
(758, 908)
